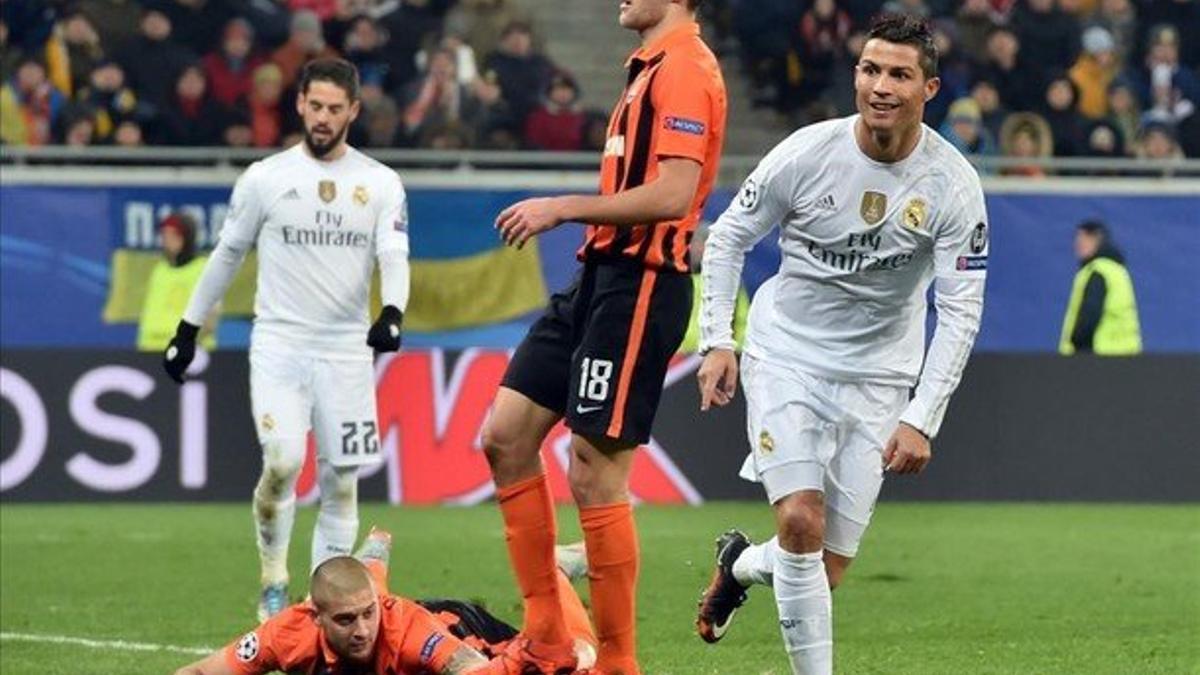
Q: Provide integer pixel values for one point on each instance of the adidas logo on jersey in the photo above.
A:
(291, 194)
(826, 203)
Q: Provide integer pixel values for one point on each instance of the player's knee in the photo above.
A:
(282, 461)
(506, 447)
(594, 481)
(342, 488)
(801, 525)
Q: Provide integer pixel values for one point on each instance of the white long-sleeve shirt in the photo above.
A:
(319, 227)
(861, 242)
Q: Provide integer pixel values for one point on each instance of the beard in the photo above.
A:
(319, 150)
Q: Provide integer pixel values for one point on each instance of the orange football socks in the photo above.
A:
(612, 551)
(530, 530)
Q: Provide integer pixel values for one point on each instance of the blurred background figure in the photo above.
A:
(171, 284)
(1102, 316)
(1026, 134)
(965, 130)
(557, 124)
(741, 309)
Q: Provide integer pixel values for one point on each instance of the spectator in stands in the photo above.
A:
(1026, 135)
(1157, 141)
(1183, 16)
(238, 132)
(270, 18)
(1049, 37)
(965, 131)
(115, 20)
(557, 124)
(382, 121)
(266, 118)
(1104, 140)
(481, 22)
(822, 36)
(152, 61)
(324, 10)
(1162, 71)
(765, 30)
(198, 23)
(109, 99)
(129, 135)
(35, 106)
(72, 52)
(521, 72)
(1124, 111)
(79, 129)
(438, 101)
(10, 54)
(992, 112)
(467, 66)
(364, 46)
(1102, 315)
(230, 69)
(1006, 69)
(1095, 70)
(1059, 109)
(305, 42)
(409, 29)
(1119, 18)
(954, 69)
(975, 21)
(193, 118)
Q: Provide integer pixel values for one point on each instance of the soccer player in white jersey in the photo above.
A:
(321, 214)
(872, 209)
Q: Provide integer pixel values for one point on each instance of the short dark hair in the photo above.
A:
(338, 71)
(1094, 228)
(905, 29)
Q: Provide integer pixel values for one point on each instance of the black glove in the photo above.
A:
(384, 335)
(180, 351)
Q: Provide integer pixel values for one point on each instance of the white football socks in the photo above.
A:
(275, 506)
(756, 564)
(805, 611)
(337, 520)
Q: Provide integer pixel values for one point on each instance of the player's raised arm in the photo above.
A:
(237, 236)
(391, 252)
(764, 200)
(960, 271)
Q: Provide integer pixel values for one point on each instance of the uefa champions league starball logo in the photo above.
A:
(247, 648)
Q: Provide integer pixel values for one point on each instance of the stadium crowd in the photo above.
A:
(441, 74)
(1100, 78)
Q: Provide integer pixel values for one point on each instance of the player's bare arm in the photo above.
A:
(668, 197)
(465, 660)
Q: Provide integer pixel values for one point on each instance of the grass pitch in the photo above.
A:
(956, 589)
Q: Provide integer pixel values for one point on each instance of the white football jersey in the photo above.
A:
(861, 242)
(318, 226)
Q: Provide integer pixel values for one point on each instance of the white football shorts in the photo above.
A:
(811, 433)
(291, 394)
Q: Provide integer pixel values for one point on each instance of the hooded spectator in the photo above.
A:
(1096, 68)
(152, 61)
(72, 52)
(230, 69)
(1026, 135)
(557, 124)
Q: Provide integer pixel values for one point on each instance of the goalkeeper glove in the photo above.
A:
(180, 351)
(384, 335)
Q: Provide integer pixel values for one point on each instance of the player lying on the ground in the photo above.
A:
(352, 624)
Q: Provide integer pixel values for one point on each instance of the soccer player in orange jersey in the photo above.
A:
(598, 356)
(352, 625)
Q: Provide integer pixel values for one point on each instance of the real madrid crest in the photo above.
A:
(327, 190)
(765, 442)
(360, 196)
(873, 207)
(914, 214)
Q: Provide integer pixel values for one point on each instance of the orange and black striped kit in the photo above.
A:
(601, 351)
